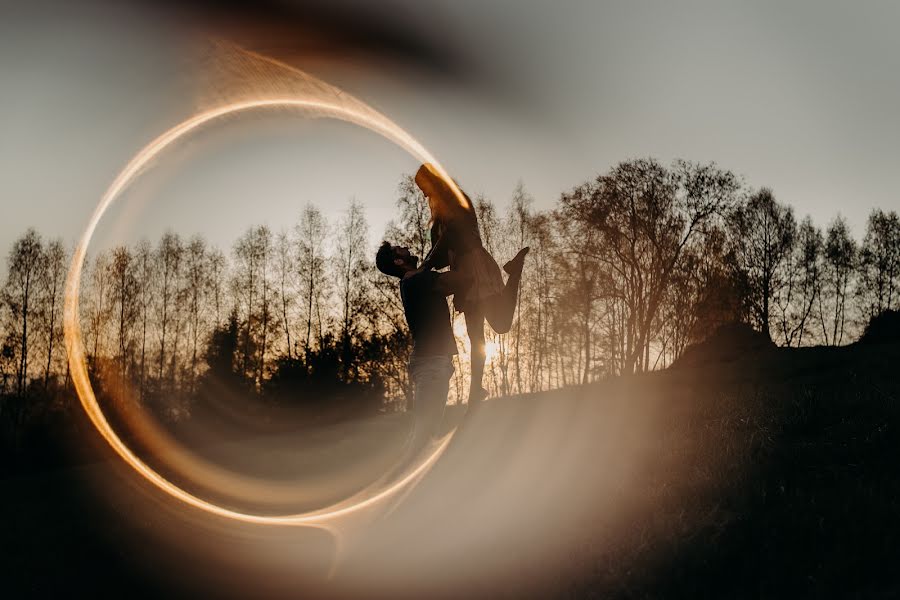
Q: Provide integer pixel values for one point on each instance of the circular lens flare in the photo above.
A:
(334, 104)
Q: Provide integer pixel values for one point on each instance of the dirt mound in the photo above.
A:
(884, 327)
(728, 343)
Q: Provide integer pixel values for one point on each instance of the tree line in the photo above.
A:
(626, 270)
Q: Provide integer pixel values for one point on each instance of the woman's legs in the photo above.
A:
(499, 310)
(475, 329)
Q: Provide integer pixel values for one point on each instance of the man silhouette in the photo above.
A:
(424, 295)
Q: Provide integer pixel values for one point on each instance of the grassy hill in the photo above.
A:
(765, 473)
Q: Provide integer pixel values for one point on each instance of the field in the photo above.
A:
(773, 474)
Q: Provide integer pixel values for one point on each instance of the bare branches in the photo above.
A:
(763, 233)
(636, 223)
(624, 273)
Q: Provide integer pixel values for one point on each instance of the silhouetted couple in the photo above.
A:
(476, 284)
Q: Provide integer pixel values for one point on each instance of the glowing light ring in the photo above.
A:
(370, 120)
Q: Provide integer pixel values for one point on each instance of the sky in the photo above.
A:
(798, 96)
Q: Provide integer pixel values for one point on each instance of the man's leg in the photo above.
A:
(431, 377)
(499, 310)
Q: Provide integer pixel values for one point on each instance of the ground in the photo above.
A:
(772, 474)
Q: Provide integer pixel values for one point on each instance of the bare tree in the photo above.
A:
(311, 233)
(879, 263)
(839, 263)
(646, 216)
(763, 233)
(538, 326)
(352, 262)
(249, 286)
(144, 282)
(54, 273)
(196, 283)
(24, 271)
(630, 268)
(124, 303)
(217, 276)
(682, 305)
(801, 282)
(518, 224)
(264, 245)
(413, 228)
(168, 258)
(286, 271)
(98, 311)
(581, 283)
(720, 299)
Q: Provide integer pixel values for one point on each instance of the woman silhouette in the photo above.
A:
(456, 242)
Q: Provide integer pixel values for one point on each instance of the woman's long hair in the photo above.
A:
(445, 207)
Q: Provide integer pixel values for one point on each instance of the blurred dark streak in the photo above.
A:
(294, 31)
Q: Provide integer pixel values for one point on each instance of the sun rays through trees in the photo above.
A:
(625, 271)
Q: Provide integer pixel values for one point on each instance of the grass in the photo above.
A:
(777, 478)
(772, 476)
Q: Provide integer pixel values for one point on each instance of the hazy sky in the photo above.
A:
(798, 96)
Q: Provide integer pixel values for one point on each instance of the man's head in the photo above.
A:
(395, 261)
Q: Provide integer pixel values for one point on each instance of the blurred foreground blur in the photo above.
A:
(767, 474)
